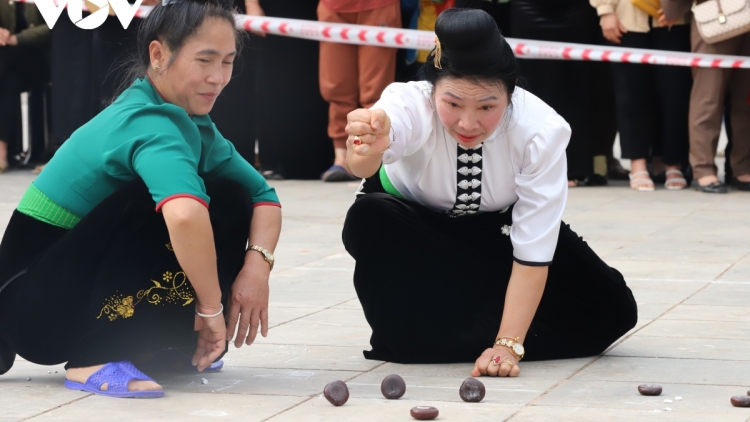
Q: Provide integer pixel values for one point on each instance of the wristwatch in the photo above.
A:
(514, 344)
(267, 255)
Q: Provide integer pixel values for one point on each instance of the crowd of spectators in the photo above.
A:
(668, 119)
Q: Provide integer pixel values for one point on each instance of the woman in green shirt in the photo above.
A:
(113, 252)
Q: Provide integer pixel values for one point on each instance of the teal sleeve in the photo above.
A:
(169, 168)
(223, 161)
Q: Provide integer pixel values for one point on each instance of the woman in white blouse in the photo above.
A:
(457, 235)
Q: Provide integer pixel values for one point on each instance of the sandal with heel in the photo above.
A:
(641, 184)
(675, 183)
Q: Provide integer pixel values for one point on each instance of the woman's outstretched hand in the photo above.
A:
(369, 131)
(212, 338)
(496, 362)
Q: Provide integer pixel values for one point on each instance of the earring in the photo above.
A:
(157, 68)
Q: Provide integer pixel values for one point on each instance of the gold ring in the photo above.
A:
(496, 360)
(510, 364)
(357, 141)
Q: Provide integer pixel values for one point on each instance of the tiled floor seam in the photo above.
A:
(617, 343)
(733, 264)
(316, 394)
(307, 315)
(645, 235)
(672, 358)
(55, 408)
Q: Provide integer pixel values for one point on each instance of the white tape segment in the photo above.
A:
(425, 40)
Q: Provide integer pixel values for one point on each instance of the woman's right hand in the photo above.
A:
(612, 28)
(369, 131)
(212, 337)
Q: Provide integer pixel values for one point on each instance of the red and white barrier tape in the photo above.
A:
(425, 40)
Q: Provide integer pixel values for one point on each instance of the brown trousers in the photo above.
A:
(707, 106)
(353, 76)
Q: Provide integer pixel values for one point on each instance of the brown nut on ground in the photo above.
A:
(393, 387)
(472, 390)
(649, 389)
(336, 392)
(740, 401)
(424, 413)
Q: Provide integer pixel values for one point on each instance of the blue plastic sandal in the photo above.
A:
(117, 376)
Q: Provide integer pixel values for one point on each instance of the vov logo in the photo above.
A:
(122, 9)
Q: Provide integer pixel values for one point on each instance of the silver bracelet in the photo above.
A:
(211, 316)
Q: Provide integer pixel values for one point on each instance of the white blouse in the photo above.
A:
(522, 162)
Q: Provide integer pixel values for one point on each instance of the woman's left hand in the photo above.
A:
(249, 302)
(496, 362)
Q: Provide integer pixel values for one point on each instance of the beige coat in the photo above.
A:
(631, 17)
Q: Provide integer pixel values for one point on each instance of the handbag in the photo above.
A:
(720, 20)
(651, 7)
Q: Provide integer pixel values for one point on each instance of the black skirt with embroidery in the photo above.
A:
(110, 288)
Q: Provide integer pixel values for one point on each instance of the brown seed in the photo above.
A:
(740, 401)
(336, 392)
(472, 390)
(393, 387)
(649, 389)
(424, 413)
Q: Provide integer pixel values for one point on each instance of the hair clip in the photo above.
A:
(168, 2)
(438, 53)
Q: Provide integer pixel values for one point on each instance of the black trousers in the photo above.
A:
(653, 101)
(579, 91)
(109, 289)
(433, 287)
(86, 70)
(21, 69)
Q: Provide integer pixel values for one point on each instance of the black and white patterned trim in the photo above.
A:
(469, 181)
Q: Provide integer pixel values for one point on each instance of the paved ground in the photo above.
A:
(686, 256)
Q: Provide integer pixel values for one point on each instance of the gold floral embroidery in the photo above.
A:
(175, 290)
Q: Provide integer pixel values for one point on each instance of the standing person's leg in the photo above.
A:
(377, 65)
(73, 99)
(10, 106)
(673, 85)
(706, 109)
(739, 88)
(570, 98)
(636, 119)
(339, 86)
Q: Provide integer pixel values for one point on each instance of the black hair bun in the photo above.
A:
(469, 39)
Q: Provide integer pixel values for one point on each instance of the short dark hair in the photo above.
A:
(471, 47)
(173, 24)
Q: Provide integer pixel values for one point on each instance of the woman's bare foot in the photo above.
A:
(81, 375)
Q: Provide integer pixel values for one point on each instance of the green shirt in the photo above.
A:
(140, 136)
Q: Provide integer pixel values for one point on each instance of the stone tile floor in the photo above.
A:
(686, 255)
